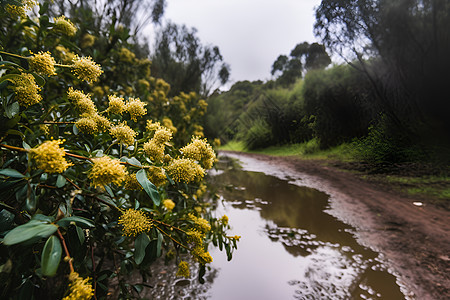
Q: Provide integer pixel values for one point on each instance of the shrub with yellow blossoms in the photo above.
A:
(94, 181)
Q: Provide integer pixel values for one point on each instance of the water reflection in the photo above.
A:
(290, 247)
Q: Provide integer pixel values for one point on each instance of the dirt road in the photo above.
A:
(415, 239)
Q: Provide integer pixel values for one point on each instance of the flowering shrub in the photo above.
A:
(95, 184)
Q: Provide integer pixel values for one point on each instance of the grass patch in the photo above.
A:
(309, 150)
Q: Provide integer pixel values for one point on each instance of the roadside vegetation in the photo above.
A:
(384, 110)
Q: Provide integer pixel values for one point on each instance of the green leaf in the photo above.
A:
(39, 79)
(140, 244)
(25, 145)
(82, 222)
(159, 244)
(31, 230)
(12, 110)
(80, 235)
(148, 187)
(60, 181)
(11, 173)
(42, 218)
(15, 132)
(6, 220)
(51, 256)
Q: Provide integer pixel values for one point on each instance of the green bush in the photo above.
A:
(96, 183)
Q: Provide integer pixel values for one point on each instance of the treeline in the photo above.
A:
(389, 100)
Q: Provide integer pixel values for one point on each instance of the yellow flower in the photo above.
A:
(81, 101)
(49, 157)
(154, 151)
(64, 53)
(134, 222)
(184, 170)
(79, 288)
(116, 105)
(183, 269)
(131, 183)
(198, 130)
(102, 122)
(152, 126)
(200, 150)
(169, 204)
(201, 224)
(87, 41)
(144, 83)
(126, 55)
(224, 220)
(201, 256)
(85, 68)
(20, 10)
(107, 170)
(65, 26)
(162, 135)
(123, 133)
(168, 123)
(157, 176)
(42, 63)
(87, 125)
(202, 104)
(26, 90)
(136, 108)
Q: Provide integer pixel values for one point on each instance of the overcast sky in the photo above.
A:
(249, 33)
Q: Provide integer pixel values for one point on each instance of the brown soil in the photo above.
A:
(415, 239)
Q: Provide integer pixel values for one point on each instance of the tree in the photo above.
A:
(303, 57)
(186, 64)
(402, 47)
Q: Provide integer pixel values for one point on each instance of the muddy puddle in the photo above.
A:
(291, 248)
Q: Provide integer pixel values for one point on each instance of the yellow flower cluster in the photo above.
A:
(224, 220)
(144, 83)
(154, 151)
(49, 157)
(131, 183)
(200, 224)
(116, 105)
(65, 54)
(167, 122)
(123, 133)
(42, 63)
(79, 288)
(201, 190)
(201, 151)
(87, 41)
(26, 90)
(134, 222)
(81, 101)
(185, 170)
(198, 250)
(157, 176)
(102, 122)
(162, 135)
(107, 170)
(152, 126)
(65, 26)
(126, 55)
(87, 125)
(169, 204)
(20, 10)
(183, 269)
(201, 256)
(85, 68)
(136, 108)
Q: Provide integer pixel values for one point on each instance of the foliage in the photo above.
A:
(402, 48)
(338, 103)
(187, 65)
(303, 57)
(93, 178)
